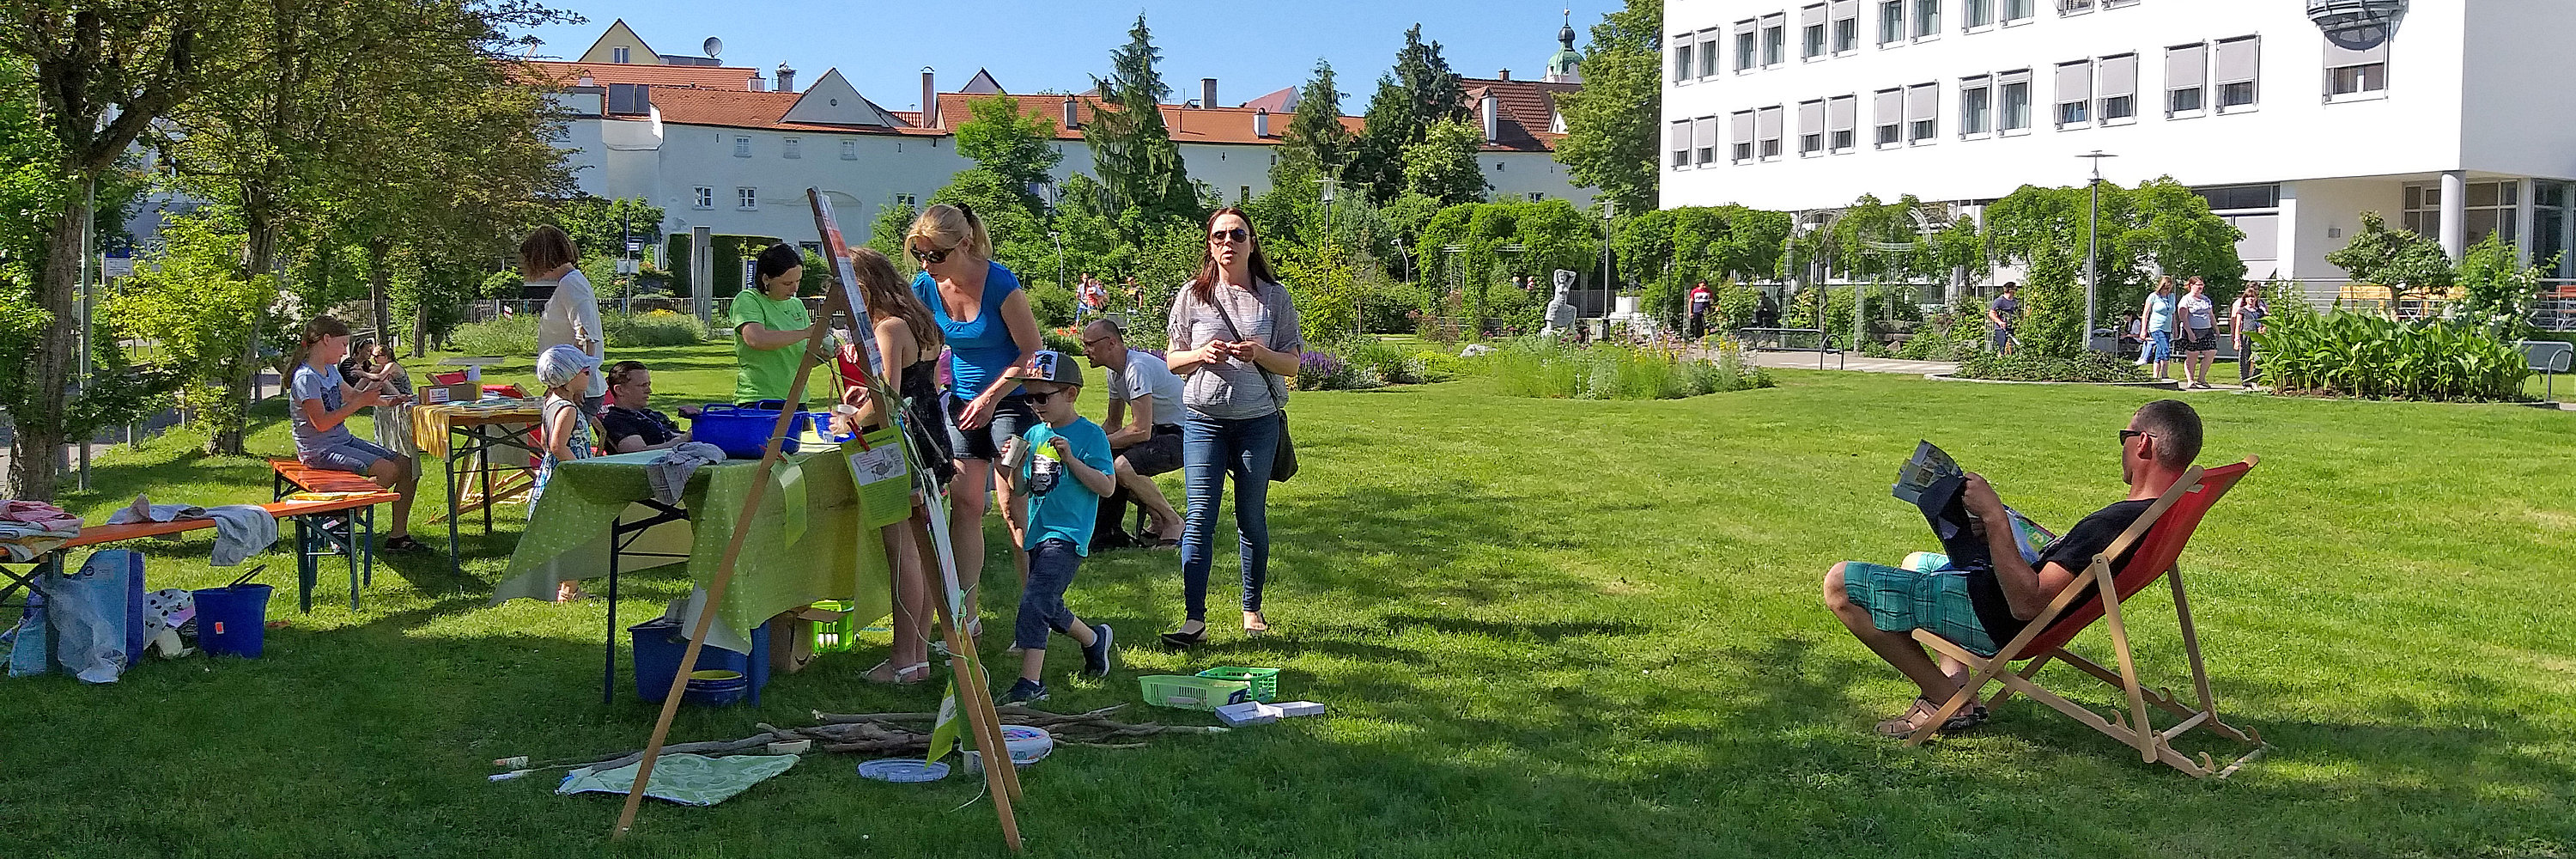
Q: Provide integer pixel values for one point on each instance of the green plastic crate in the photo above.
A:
(1265, 681)
(834, 636)
(1193, 693)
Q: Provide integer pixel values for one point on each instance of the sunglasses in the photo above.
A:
(2127, 434)
(1237, 234)
(930, 257)
(1039, 398)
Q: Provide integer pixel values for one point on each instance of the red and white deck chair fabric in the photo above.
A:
(2096, 594)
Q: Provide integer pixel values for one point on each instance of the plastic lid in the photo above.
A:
(715, 674)
(903, 770)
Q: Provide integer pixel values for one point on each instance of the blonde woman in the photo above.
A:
(984, 318)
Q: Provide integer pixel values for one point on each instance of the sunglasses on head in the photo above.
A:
(1237, 234)
(930, 257)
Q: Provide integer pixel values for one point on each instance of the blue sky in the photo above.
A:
(1250, 48)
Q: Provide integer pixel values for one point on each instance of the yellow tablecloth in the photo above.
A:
(432, 426)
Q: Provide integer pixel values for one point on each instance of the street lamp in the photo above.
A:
(1609, 210)
(2092, 241)
(1057, 236)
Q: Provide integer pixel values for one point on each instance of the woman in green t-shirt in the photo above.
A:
(770, 325)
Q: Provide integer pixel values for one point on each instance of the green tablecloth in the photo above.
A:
(795, 554)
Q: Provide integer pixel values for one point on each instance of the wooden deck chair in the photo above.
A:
(2159, 535)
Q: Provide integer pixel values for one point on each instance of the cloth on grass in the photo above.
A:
(669, 473)
(241, 530)
(685, 779)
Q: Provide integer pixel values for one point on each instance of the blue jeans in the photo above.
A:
(1211, 449)
(1051, 568)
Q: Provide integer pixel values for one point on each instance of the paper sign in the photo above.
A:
(883, 477)
(433, 396)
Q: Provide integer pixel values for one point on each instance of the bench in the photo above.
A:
(306, 565)
(342, 526)
(2548, 358)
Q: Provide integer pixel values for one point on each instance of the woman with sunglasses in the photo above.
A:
(1235, 343)
(985, 319)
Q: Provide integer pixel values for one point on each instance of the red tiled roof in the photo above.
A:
(1187, 124)
(748, 110)
(1524, 110)
(731, 78)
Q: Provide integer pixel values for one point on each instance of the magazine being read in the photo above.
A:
(1934, 484)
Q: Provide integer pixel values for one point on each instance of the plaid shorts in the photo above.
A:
(1901, 600)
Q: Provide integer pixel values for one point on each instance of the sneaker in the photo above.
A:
(1024, 691)
(1095, 659)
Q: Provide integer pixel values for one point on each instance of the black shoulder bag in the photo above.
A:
(1283, 464)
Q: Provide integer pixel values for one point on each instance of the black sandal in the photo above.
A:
(405, 545)
(1186, 639)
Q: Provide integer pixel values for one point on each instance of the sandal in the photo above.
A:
(1251, 630)
(404, 545)
(1905, 724)
(887, 673)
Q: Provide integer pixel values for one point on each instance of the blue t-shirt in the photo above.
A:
(311, 384)
(1063, 508)
(980, 350)
(2160, 310)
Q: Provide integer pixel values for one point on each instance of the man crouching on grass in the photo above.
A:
(1981, 609)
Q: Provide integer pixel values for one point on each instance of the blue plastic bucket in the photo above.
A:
(659, 646)
(232, 621)
(743, 431)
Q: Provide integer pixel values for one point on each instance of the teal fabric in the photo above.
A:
(1068, 510)
(685, 779)
(1903, 600)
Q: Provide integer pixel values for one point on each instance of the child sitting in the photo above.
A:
(323, 404)
(1066, 470)
(565, 372)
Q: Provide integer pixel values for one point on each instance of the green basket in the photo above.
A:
(1265, 681)
(1193, 693)
(834, 636)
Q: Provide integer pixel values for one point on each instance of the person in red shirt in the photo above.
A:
(1699, 301)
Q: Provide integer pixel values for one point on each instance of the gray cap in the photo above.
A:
(1049, 365)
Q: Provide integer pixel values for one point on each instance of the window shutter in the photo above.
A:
(2018, 76)
(1742, 132)
(1811, 117)
(2119, 76)
(1846, 9)
(1682, 140)
(2075, 81)
(1812, 16)
(1770, 124)
(2238, 59)
(1922, 102)
(2339, 57)
(1704, 133)
(1841, 112)
(2186, 66)
(1890, 108)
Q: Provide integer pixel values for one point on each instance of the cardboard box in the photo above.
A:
(1247, 713)
(461, 392)
(791, 636)
(1293, 709)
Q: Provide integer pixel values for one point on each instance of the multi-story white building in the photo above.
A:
(720, 146)
(2446, 116)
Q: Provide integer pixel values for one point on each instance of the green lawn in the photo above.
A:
(1543, 628)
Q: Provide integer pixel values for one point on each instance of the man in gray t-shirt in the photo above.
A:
(1144, 425)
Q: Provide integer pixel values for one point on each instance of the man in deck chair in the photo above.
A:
(1982, 609)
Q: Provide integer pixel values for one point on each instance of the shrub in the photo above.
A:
(1325, 371)
(2366, 355)
(517, 334)
(1391, 364)
(1611, 372)
(1066, 339)
(506, 335)
(2031, 366)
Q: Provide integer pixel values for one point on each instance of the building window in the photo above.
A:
(2020, 10)
(2240, 60)
(2119, 85)
(792, 148)
(2015, 96)
(1681, 131)
(617, 55)
(746, 199)
(742, 147)
(1682, 58)
(2074, 7)
(1744, 55)
(1887, 114)
(2355, 71)
(849, 150)
(1775, 40)
(1922, 113)
(1891, 21)
(1846, 25)
(2186, 75)
(2549, 225)
(2074, 93)
(1769, 132)
(1976, 106)
(2352, 80)
(702, 197)
(1840, 114)
(1979, 13)
(1246, 192)
(1704, 138)
(1708, 53)
(2488, 208)
(1811, 127)
(1927, 18)
(2225, 198)
(907, 201)
(1740, 136)
(1811, 32)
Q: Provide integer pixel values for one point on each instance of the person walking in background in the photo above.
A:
(985, 318)
(770, 325)
(2159, 318)
(571, 315)
(2199, 341)
(1699, 301)
(1234, 339)
(908, 344)
(2001, 315)
(2244, 320)
(1093, 300)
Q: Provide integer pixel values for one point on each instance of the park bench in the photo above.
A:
(2096, 594)
(2548, 358)
(343, 526)
(307, 542)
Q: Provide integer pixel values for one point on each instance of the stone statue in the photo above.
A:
(1560, 313)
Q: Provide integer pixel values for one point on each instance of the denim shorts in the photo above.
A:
(1901, 600)
(1011, 417)
(352, 454)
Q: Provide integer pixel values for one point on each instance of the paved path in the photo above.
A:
(150, 427)
(1788, 360)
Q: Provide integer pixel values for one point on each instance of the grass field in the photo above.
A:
(1543, 628)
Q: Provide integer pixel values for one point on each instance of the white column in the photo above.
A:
(2524, 216)
(2455, 227)
(2566, 235)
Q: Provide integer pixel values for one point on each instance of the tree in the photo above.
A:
(1131, 147)
(1317, 141)
(2158, 227)
(1613, 122)
(1419, 92)
(1443, 165)
(2495, 292)
(2404, 262)
(886, 233)
(1019, 147)
(1010, 217)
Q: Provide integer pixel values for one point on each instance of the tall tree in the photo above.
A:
(1611, 124)
(103, 73)
(1019, 147)
(1316, 141)
(1443, 165)
(1131, 147)
(1419, 92)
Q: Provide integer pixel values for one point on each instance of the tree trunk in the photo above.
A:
(37, 441)
(259, 257)
(378, 273)
(420, 329)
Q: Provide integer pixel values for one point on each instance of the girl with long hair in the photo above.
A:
(908, 342)
(322, 403)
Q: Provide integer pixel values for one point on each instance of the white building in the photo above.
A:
(2446, 116)
(718, 146)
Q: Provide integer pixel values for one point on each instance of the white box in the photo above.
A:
(1290, 709)
(1247, 713)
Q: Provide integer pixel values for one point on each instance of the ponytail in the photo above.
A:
(314, 332)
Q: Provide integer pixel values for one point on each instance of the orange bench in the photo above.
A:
(340, 526)
(306, 565)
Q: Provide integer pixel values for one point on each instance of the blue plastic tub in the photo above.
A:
(234, 621)
(743, 431)
(724, 692)
(659, 644)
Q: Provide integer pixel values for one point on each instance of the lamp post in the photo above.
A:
(1609, 210)
(2092, 241)
(1057, 236)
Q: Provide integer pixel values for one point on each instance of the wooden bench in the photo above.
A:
(341, 526)
(307, 566)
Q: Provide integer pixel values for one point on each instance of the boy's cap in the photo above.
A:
(1053, 366)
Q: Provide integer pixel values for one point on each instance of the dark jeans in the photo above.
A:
(1051, 568)
(1211, 449)
(2246, 368)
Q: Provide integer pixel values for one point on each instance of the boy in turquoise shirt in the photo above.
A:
(1065, 468)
